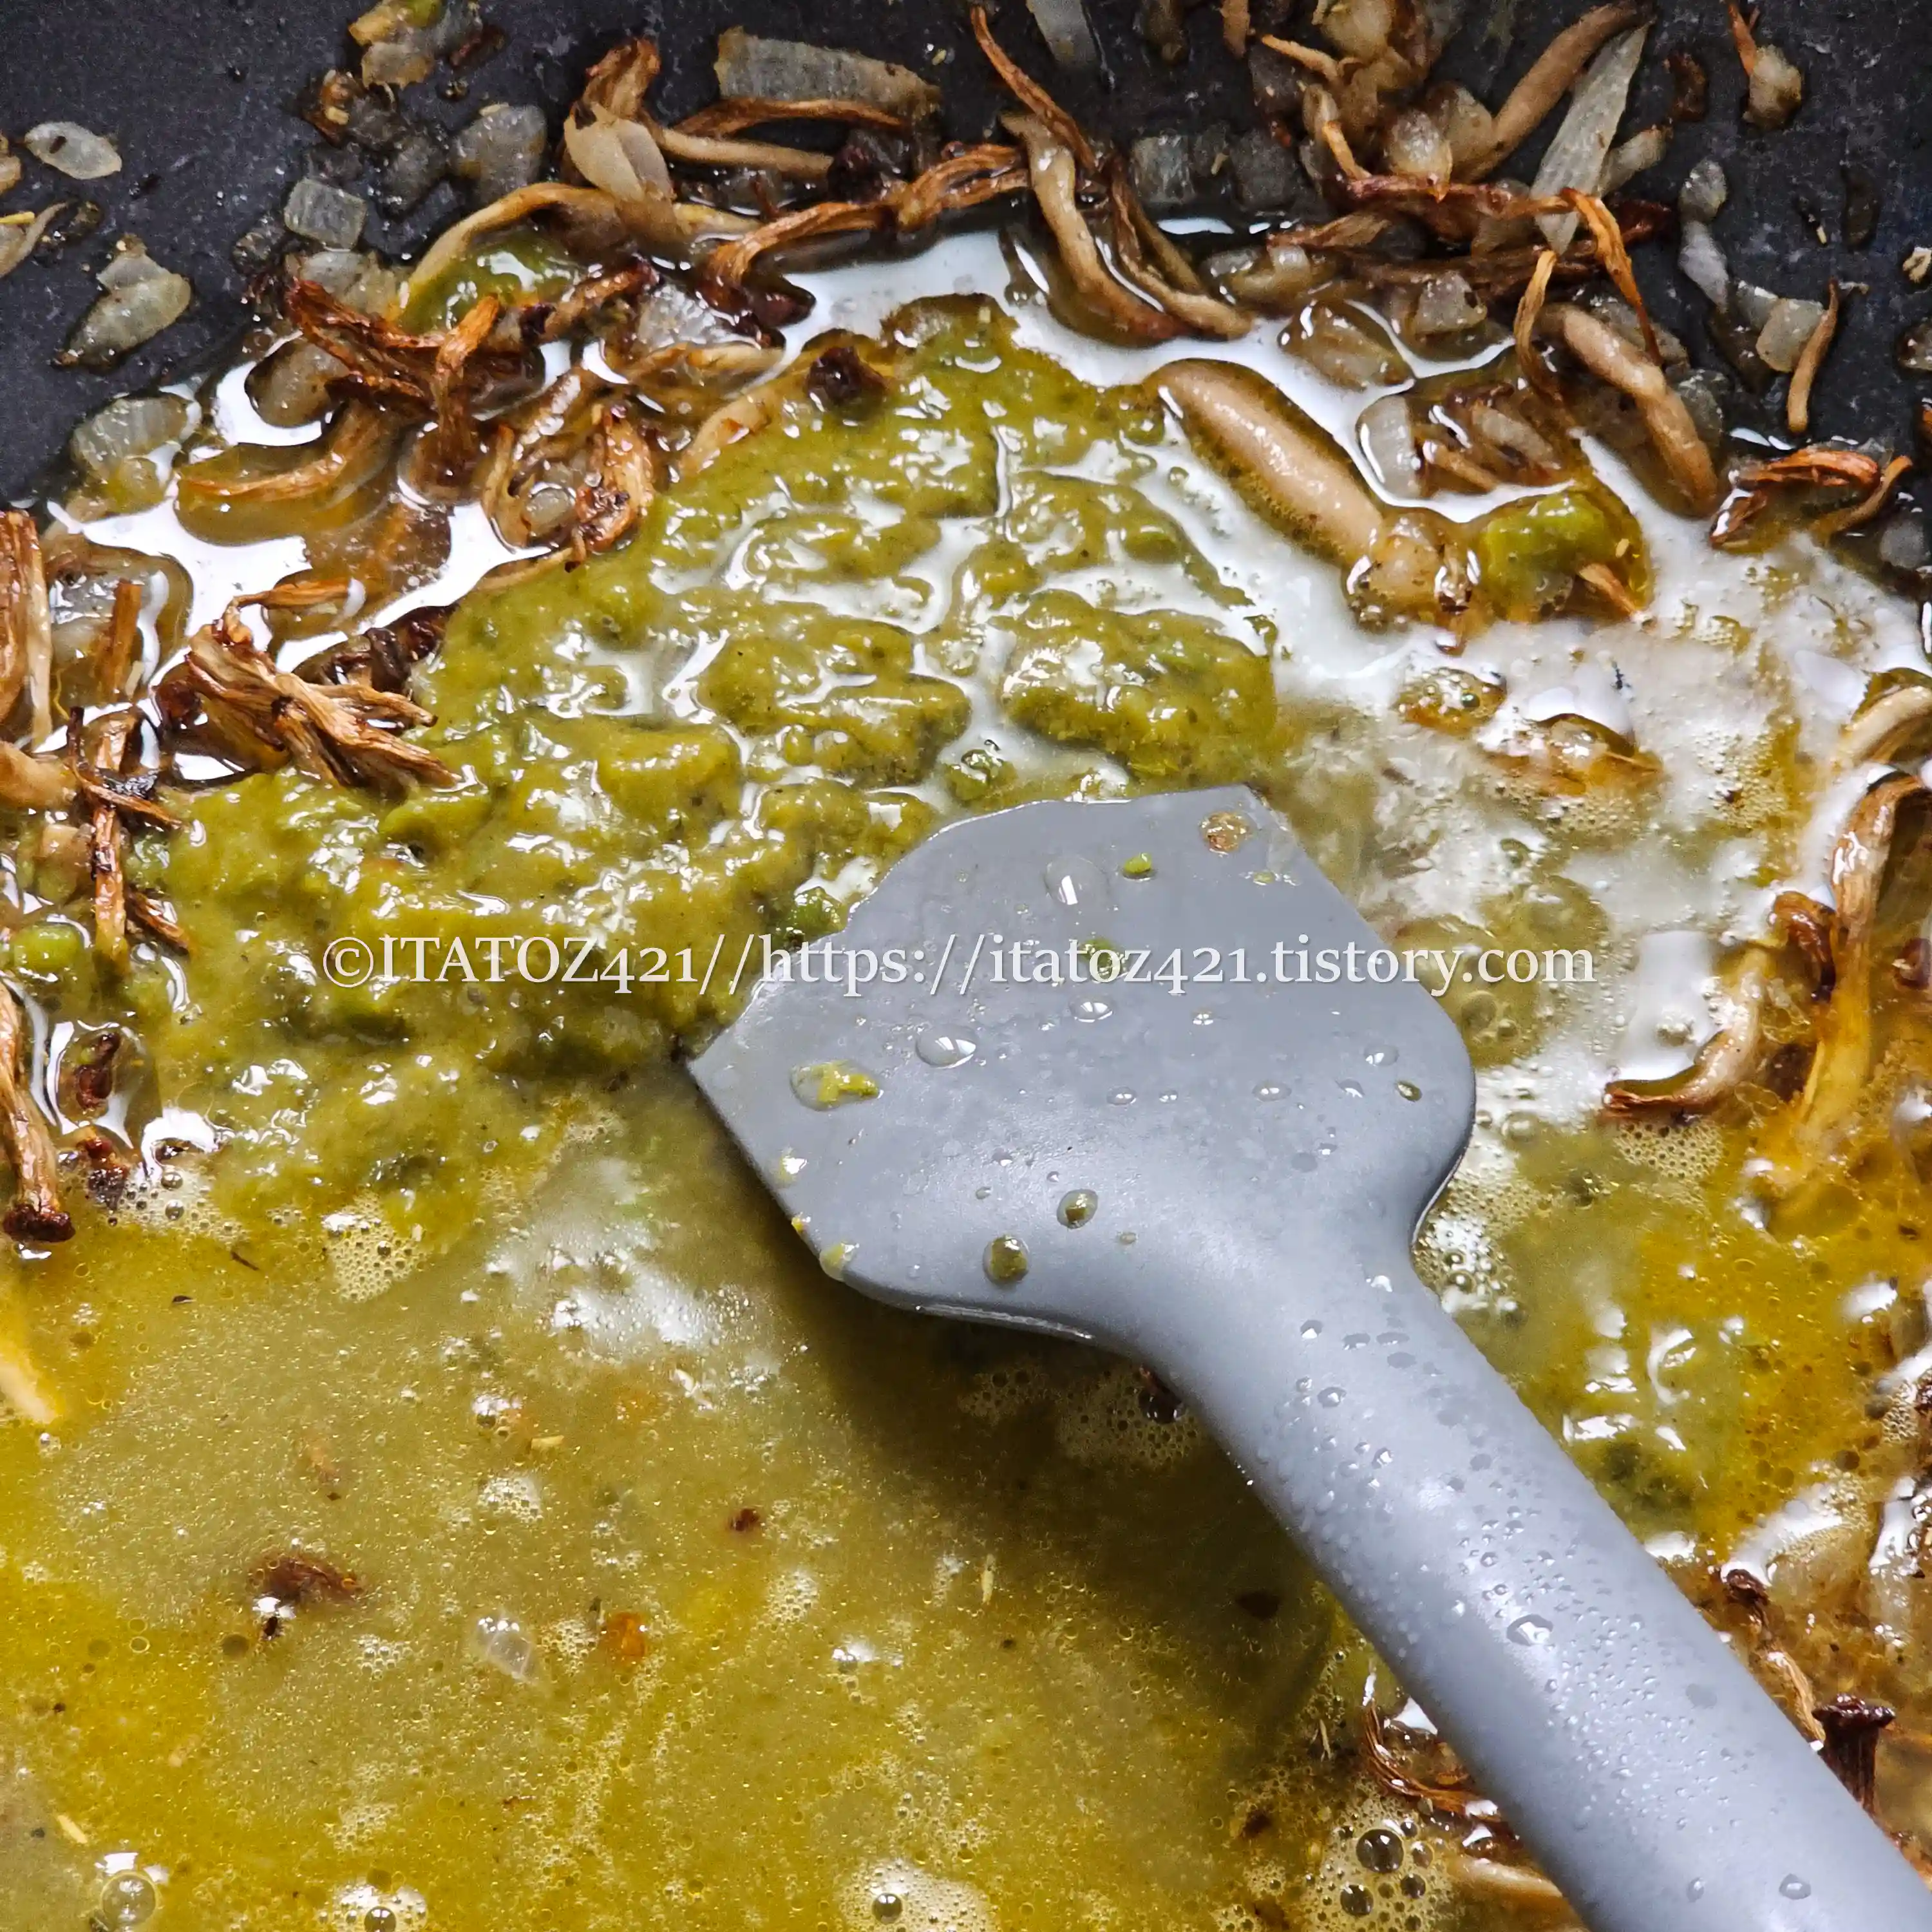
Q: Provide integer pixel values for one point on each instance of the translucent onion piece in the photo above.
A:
(618, 156)
(1704, 191)
(132, 426)
(1703, 263)
(501, 150)
(1062, 25)
(1416, 146)
(72, 150)
(749, 65)
(1576, 156)
(1448, 305)
(1344, 349)
(1360, 27)
(319, 212)
(1777, 89)
(1387, 434)
(142, 298)
(1468, 126)
(19, 239)
(1642, 152)
(1782, 340)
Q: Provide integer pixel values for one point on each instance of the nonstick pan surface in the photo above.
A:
(198, 95)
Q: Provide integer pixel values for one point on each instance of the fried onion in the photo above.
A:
(36, 1214)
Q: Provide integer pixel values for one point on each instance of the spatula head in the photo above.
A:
(1064, 1050)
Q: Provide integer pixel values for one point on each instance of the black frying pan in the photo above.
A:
(198, 93)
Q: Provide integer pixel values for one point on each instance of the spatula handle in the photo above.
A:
(1654, 1781)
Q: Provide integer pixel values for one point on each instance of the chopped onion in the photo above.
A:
(1704, 191)
(131, 426)
(1786, 330)
(362, 280)
(501, 150)
(1416, 146)
(1642, 152)
(1777, 89)
(142, 298)
(1468, 126)
(401, 62)
(1915, 348)
(1062, 25)
(71, 149)
(1387, 433)
(1703, 392)
(20, 237)
(619, 157)
(320, 211)
(750, 66)
(1903, 545)
(1575, 157)
(1161, 167)
(1362, 28)
(291, 387)
(1448, 305)
(1343, 349)
(419, 161)
(400, 52)
(1753, 304)
(1703, 264)
(1513, 438)
(1271, 279)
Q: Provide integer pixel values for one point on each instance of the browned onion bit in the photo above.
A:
(1818, 466)
(1450, 1795)
(1550, 77)
(729, 117)
(343, 734)
(1034, 98)
(1611, 357)
(1611, 252)
(104, 745)
(36, 1214)
(1808, 1135)
(1852, 1728)
(1810, 360)
(30, 784)
(26, 628)
(1529, 359)
(1727, 1059)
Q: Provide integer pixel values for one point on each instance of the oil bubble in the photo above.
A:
(945, 1049)
(1078, 1208)
(1006, 1261)
(127, 1899)
(1077, 882)
(827, 1083)
(1531, 1630)
(1380, 1849)
(1226, 831)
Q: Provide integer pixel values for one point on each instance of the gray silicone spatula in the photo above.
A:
(1223, 1184)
